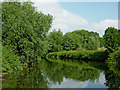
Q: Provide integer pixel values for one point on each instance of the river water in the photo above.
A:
(64, 74)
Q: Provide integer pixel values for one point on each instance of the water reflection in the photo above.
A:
(64, 74)
(29, 78)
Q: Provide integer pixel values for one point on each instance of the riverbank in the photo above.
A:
(79, 55)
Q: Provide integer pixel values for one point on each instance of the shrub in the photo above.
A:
(81, 55)
(114, 60)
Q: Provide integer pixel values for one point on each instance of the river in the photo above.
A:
(64, 74)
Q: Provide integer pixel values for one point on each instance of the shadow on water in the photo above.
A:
(50, 74)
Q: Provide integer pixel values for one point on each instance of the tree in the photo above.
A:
(111, 39)
(112, 80)
(101, 42)
(119, 37)
(10, 61)
(24, 30)
(55, 40)
(70, 42)
(82, 39)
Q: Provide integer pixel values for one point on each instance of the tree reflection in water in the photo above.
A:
(48, 73)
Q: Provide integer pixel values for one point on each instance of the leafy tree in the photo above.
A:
(55, 40)
(24, 30)
(112, 80)
(111, 39)
(81, 39)
(70, 42)
(93, 41)
(114, 60)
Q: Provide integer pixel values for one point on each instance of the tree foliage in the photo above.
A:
(111, 39)
(119, 37)
(55, 40)
(112, 80)
(114, 60)
(81, 39)
(70, 42)
(101, 42)
(79, 55)
(24, 29)
(10, 61)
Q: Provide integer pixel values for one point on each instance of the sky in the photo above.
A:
(71, 83)
(70, 15)
(92, 11)
(91, 16)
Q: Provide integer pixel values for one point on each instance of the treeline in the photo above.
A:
(79, 39)
(84, 40)
(25, 34)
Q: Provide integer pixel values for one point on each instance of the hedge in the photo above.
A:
(80, 55)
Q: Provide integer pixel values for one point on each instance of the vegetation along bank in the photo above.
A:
(26, 37)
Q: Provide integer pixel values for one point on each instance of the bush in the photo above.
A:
(10, 61)
(81, 55)
(114, 60)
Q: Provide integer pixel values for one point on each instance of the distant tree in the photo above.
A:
(101, 42)
(111, 39)
(70, 42)
(55, 40)
(82, 39)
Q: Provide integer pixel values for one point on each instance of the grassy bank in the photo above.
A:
(80, 55)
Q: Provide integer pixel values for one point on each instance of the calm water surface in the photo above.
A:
(64, 74)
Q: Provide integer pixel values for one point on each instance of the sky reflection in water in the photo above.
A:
(64, 74)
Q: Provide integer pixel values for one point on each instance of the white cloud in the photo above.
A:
(70, 83)
(63, 19)
(67, 21)
(103, 25)
(102, 79)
